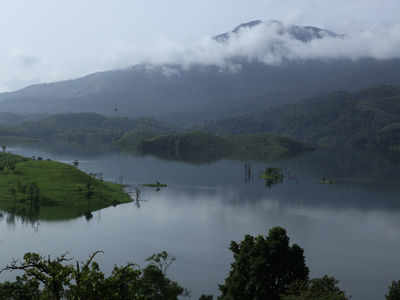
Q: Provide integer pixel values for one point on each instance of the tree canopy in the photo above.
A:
(55, 279)
(264, 267)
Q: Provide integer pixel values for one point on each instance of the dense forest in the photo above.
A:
(365, 119)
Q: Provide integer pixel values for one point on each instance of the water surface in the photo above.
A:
(349, 230)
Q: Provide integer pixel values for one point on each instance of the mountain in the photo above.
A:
(11, 119)
(200, 92)
(301, 33)
(366, 119)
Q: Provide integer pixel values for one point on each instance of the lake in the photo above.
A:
(350, 230)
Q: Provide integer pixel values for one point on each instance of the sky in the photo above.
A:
(47, 40)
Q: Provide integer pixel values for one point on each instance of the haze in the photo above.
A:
(45, 41)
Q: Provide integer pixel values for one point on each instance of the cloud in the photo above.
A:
(271, 44)
(28, 61)
(268, 43)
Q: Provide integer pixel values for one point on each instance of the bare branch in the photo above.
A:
(89, 261)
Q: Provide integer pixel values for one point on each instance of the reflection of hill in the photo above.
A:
(202, 147)
(348, 165)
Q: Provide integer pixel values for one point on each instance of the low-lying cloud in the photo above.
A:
(271, 45)
(267, 43)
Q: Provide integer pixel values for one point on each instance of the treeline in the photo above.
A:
(147, 136)
(264, 267)
(198, 146)
(81, 130)
(366, 119)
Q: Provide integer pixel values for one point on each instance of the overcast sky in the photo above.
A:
(47, 40)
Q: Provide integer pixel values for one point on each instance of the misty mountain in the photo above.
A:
(204, 91)
(11, 119)
(301, 33)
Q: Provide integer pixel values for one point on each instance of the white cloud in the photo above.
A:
(267, 44)
(264, 43)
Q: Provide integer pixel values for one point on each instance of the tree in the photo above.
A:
(4, 148)
(264, 267)
(325, 288)
(55, 279)
(52, 274)
(394, 291)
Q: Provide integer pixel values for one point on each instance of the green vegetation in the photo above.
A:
(272, 176)
(264, 267)
(88, 132)
(265, 147)
(55, 279)
(394, 291)
(206, 147)
(52, 190)
(192, 146)
(325, 288)
(368, 119)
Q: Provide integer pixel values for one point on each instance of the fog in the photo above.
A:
(48, 41)
(267, 44)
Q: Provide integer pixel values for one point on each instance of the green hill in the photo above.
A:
(364, 119)
(89, 132)
(200, 146)
(52, 190)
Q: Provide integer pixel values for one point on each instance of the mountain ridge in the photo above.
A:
(301, 33)
(201, 92)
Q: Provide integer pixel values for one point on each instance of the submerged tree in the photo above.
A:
(272, 176)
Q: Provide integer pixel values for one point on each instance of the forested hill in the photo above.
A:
(207, 91)
(81, 128)
(363, 119)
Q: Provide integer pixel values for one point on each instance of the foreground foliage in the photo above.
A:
(264, 268)
(394, 291)
(325, 288)
(56, 279)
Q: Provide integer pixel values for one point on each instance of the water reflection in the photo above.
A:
(248, 173)
(344, 228)
(30, 218)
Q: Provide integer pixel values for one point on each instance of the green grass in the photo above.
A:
(63, 188)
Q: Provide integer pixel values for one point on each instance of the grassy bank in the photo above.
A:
(53, 190)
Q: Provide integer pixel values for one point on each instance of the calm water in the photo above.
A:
(349, 230)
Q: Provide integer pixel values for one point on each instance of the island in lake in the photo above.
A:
(52, 190)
